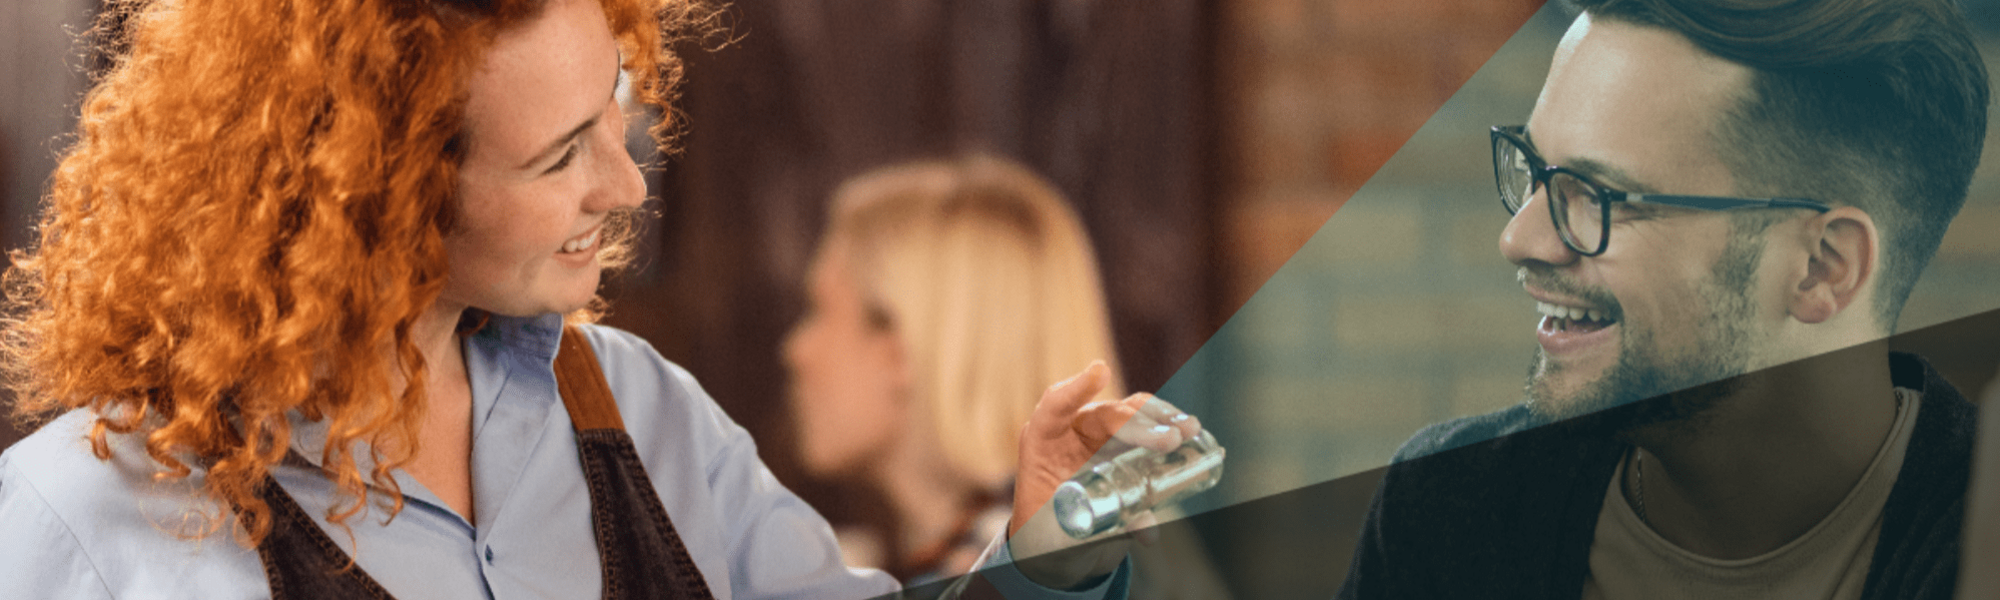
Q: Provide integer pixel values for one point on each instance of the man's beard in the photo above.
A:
(1686, 384)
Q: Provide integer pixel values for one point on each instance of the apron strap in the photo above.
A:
(581, 382)
(638, 550)
(301, 562)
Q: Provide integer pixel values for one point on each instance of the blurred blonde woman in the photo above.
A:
(943, 295)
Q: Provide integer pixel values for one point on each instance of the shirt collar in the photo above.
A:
(504, 341)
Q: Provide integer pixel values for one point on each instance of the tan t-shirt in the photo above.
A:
(1628, 560)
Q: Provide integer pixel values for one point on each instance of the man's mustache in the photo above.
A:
(1548, 280)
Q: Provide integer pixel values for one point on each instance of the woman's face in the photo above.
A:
(848, 376)
(545, 165)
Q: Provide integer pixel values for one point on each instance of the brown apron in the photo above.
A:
(640, 554)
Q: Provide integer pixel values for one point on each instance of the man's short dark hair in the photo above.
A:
(1877, 104)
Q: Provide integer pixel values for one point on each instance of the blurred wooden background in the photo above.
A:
(1110, 100)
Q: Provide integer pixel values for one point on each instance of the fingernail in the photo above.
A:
(1161, 429)
(1180, 417)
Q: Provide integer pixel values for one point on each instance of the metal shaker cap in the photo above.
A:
(1082, 515)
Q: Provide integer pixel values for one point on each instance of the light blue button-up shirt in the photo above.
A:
(72, 526)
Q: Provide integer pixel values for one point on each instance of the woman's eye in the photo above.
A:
(567, 156)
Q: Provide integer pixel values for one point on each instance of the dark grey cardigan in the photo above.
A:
(1505, 509)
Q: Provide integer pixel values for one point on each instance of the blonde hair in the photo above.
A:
(987, 278)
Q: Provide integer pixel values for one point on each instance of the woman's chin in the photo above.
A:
(527, 307)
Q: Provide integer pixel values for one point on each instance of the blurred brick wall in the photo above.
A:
(1319, 95)
(1323, 92)
(1322, 95)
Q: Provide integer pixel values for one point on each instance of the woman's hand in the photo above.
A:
(1062, 434)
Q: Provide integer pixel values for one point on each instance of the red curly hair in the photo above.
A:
(253, 216)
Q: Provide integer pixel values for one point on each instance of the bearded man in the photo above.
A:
(1719, 208)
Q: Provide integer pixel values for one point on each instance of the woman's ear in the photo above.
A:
(1840, 264)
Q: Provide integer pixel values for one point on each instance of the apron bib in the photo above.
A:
(640, 555)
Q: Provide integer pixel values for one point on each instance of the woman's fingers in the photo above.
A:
(1162, 412)
(1141, 420)
(1057, 440)
(1068, 426)
(1069, 397)
(1098, 422)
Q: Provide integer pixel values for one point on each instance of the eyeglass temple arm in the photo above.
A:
(1725, 203)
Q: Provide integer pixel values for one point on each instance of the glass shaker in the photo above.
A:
(1109, 493)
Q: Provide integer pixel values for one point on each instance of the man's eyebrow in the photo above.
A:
(566, 138)
(1597, 171)
(1609, 175)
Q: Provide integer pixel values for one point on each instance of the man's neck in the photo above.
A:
(1771, 459)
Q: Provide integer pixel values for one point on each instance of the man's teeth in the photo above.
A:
(1570, 312)
(580, 244)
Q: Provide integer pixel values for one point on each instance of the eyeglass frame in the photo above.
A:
(1539, 173)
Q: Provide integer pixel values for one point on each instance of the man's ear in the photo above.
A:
(1840, 264)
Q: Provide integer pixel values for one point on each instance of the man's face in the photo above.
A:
(1676, 304)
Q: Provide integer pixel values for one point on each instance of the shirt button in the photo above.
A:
(489, 555)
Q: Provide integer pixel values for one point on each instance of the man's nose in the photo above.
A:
(1531, 236)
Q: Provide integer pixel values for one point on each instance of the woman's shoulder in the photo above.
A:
(55, 468)
(631, 363)
(622, 352)
(80, 526)
(656, 397)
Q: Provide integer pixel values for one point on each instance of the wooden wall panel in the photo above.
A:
(1109, 99)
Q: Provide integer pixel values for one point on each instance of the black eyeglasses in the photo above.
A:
(1580, 207)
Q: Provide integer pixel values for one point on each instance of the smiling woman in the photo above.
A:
(201, 300)
(203, 313)
(545, 167)
(315, 260)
